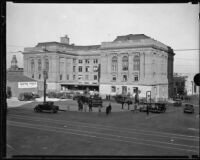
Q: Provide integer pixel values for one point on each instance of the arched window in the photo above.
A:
(39, 65)
(114, 63)
(47, 65)
(32, 65)
(136, 63)
(125, 63)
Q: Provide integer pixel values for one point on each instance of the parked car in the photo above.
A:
(47, 106)
(153, 107)
(189, 108)
(177, 102)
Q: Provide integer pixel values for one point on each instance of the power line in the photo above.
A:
(186, 49)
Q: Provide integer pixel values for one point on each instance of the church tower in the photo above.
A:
(14, 63)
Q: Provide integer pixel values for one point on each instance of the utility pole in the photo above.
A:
(45, 77)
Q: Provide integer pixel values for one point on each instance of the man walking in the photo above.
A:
(108, 109)
(147, 109)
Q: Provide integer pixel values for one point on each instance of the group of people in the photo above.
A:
(83, 106)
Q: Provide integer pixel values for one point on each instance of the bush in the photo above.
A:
(52, 95)
(26, 96)
(8, 92)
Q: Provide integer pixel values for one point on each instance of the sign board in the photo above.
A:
(27, 84)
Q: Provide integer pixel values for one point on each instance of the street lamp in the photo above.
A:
(45, 77)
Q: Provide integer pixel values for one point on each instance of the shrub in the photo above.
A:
(52, 95)
(26, 96)
(8, 92)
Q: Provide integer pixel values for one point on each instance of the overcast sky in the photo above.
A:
(175, 25)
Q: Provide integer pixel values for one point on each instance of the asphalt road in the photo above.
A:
(84, 133)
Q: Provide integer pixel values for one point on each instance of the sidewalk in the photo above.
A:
(14, 102)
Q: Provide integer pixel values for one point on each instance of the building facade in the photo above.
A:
(17, 82)
(124, 65)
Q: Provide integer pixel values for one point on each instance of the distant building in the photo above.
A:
(122, 66)
(17, 81)
(179, 85)
(190, 87)
(14, 66)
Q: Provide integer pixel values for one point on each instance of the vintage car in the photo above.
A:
(153, 107)
(177, 102)
(95, 101)
(123, 99)
(46, 106)
(189, 108)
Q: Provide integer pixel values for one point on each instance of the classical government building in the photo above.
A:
(124, 65)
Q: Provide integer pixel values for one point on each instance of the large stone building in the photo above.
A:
(124, 65)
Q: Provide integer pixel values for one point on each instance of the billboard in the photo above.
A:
(27, 84)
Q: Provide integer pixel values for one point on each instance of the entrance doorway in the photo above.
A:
(124, 89)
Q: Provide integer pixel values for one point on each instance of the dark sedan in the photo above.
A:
(189, 108)
(47, 106)
(177, 102)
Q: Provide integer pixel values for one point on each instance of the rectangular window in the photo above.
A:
(39, 77)
(113, 89)
(125, 68)
(87, 61)
(67, 76)
(74, 60)
(95, 68)
(74, 68)
(114, 78)
(136, 78)
(86, 77)
(95, 77)
(74, 77)
(60, 76)
(124, 78)
(95, 60)
(80, 77)
(32, 75)
(80, 61)
(135, 89)
(80, 68)
(87, 69)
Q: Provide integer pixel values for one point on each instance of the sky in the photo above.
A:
(176, 25)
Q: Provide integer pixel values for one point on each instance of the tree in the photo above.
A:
(8, 92)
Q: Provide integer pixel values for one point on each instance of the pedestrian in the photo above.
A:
(122, 104)
(85, 107)
(90, 107)
(108, 109)
(129, 102)
(147, 109)
(79, 105)
(99, 109)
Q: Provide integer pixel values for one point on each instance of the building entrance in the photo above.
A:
(124, 89)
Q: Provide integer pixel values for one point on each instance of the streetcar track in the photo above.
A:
(82, 124)
(98, 135)
(119, 136)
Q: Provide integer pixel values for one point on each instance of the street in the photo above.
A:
(93, 133)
